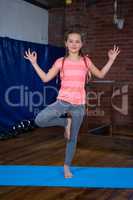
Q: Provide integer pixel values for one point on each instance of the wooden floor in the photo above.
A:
(46, 147)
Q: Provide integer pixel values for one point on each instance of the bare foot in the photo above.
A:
(67, 172)
(67, 133)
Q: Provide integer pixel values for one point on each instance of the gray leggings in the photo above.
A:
(50, 116)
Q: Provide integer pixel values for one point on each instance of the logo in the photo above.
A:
(123, 94)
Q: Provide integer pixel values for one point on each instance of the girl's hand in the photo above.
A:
(113, 53)
(31, 56)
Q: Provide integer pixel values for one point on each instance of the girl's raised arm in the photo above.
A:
(45, 77)
(112, 55)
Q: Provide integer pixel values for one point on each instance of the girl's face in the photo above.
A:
(74, 43)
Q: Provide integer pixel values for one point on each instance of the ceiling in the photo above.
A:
(47, 4)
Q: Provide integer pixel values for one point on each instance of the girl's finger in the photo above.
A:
(26, 53)
(29, 52)
(114, 47)
(26, 57)
(118, 50)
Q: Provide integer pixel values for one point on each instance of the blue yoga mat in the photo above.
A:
(84, 177)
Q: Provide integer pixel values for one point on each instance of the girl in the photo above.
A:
(73, 69)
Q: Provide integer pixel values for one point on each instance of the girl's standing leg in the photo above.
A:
(77, 113)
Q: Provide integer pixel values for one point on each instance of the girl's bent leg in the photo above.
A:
(50, 116)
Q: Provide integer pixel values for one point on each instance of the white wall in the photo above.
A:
(23, 21)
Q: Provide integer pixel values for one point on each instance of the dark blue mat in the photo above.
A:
(84, 177)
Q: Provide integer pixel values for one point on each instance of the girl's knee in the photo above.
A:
(41, 119)
(38, 121)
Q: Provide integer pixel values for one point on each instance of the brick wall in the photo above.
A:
(96, 21)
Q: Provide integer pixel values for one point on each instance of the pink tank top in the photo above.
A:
(73, 76)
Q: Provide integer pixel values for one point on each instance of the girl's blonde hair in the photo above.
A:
(67, 33)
